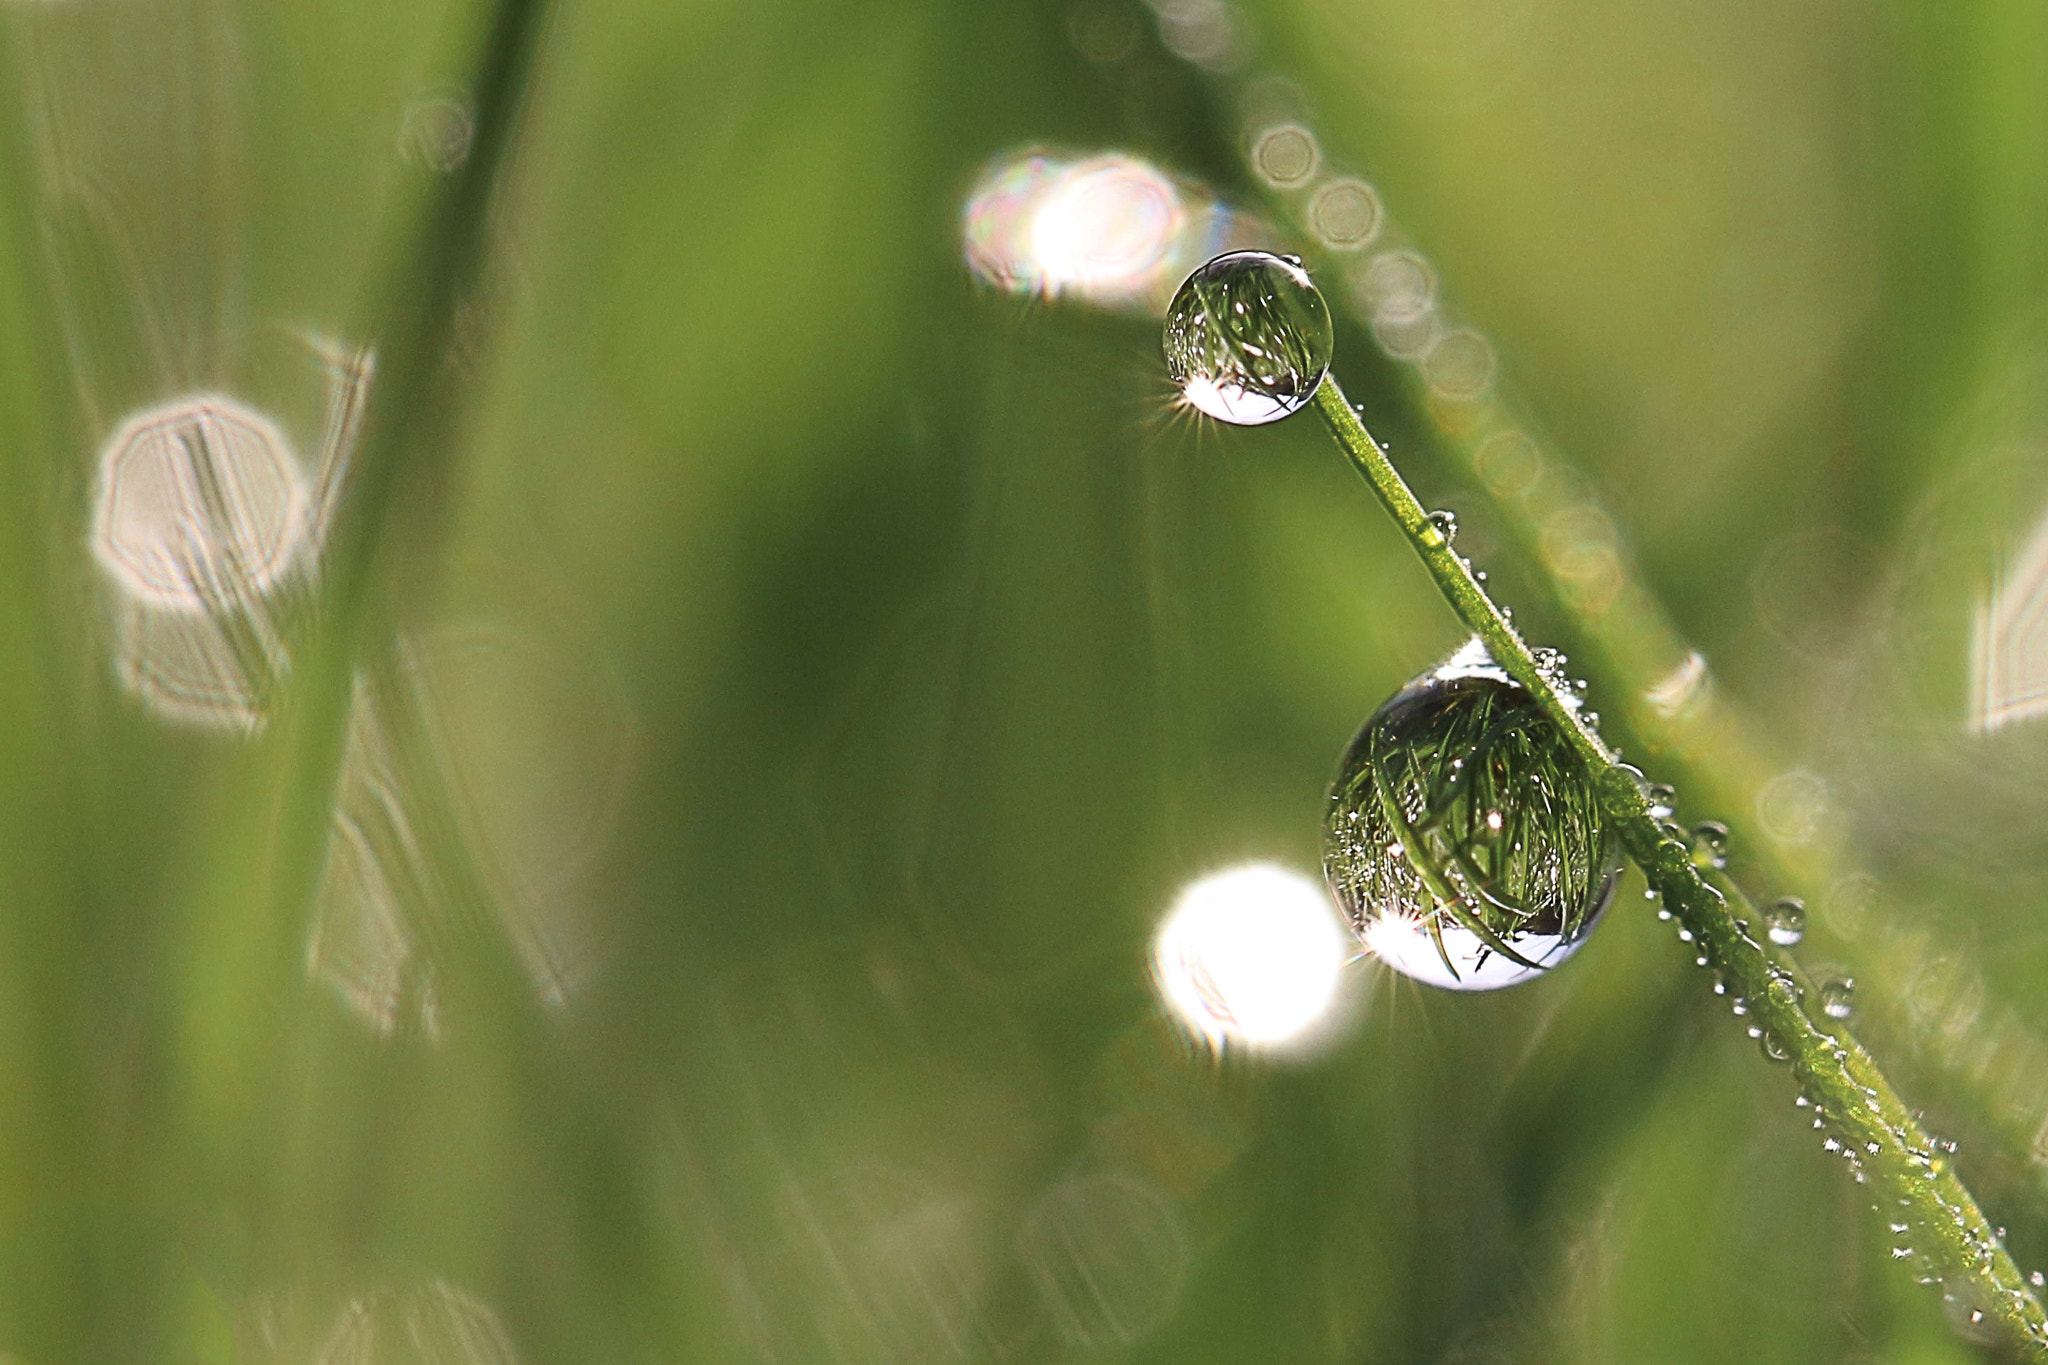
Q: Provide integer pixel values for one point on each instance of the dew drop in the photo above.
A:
(1771, 1050)
(1452, 874)
(1445, 524)
(1248, 338)
(1663, 799)
(1785, 920)
(1710, 841)
(1784, 989)
(1837, 996)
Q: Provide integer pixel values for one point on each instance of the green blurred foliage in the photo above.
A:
(941, 653)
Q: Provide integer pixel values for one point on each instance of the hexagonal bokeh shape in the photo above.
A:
(201, 504)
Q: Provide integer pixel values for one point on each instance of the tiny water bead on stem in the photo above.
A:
(1910, 1178)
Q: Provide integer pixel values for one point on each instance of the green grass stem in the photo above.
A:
(1912, 1182)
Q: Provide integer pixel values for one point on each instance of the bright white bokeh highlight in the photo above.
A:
(1106, 229)
(1252, 956)
(1112, 230)
(200, 504)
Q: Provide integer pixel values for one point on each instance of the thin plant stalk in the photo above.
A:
(389, 489)
(1911, 1179)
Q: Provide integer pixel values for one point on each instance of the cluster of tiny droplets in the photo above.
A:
(1930, 1158)
(1968, 1298)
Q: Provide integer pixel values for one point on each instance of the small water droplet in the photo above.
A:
(1663, 799)
(1785, 920)
(2037, 1279)
(1684, 935)
(1445, 524)
(1783, 988)
(1248, 338)
(1710, 841)
(1837, 996)
(1771, 1049)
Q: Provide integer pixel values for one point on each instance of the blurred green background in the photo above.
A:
(803, 676)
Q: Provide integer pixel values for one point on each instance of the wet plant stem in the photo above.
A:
(1912, 1181)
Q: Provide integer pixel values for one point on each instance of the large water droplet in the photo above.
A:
(1663, 799)
(1837, 996)
(1505, 861)
(1248, 338)
(1785, 921)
